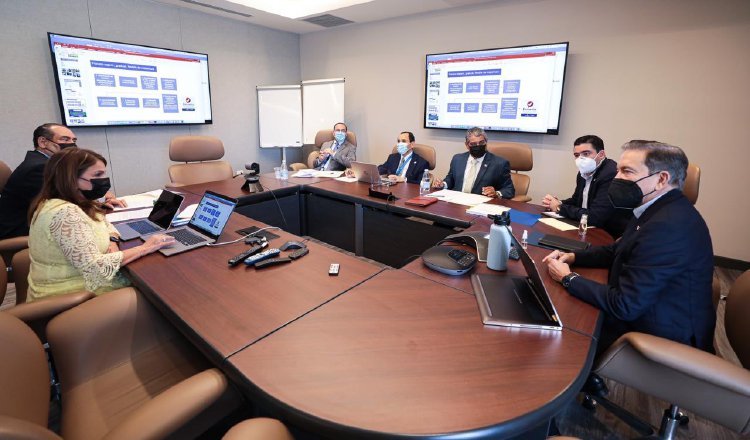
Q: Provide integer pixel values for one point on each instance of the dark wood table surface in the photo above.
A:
(401, 355)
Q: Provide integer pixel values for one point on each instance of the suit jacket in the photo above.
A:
(23, 185)
(414, 173)
(600, 210)
(660, 276)
(494, 172)
(342, 159)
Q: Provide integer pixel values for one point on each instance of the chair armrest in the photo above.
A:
(523, 198)
(258, 428)
(172, 185)
(175, 407)
(48, 307)
(17, 429)
(13, 245)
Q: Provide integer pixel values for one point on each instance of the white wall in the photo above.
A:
(671, 70)
(241, 56)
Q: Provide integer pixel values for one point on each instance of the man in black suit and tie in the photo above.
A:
(660, 271)
(595, 173)
(405, 164)
(478, 171)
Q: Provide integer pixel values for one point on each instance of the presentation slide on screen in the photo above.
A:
(518, 89)
(104, 83)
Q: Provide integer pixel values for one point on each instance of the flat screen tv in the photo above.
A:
(105, 83)
(516, 89)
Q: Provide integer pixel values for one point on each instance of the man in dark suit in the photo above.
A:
(26, 180)
(405, 164)
(478, 171)
(338, 154)
(662, 268)
(595, 173)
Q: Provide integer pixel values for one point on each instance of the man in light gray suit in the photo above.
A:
(338, 154)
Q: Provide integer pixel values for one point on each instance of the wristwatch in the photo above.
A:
(568, 278)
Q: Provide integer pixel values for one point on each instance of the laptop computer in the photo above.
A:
(161, 216)
(511, 301)
(369, 173)
(208, 221)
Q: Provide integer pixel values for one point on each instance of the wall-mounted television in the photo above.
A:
(516, 89)
(106, 83)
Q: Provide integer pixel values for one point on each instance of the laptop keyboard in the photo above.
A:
(186, 237)
(143, 227)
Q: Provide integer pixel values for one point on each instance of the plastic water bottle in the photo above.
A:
(424, 185)
(499, 245)
(583, 226)
(525, 239)
(284, 172)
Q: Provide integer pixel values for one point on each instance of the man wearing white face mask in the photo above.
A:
(595, 173)
(405, 164)
(338, 154)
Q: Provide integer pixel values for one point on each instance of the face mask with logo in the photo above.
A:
(586, 165)
(626, 194)
(339, 137)
(477, 151)
(402, 148)
(99, 187)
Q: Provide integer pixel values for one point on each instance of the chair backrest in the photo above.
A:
(521, 159)
(327, 135)
(5, 172)
(736, 318)
(201, 154)
(311, 158)
(426, 152)
(24, 377)
(21, 263)
(692, 183)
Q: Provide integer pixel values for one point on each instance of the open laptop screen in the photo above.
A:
(165, 208)
(212, 213)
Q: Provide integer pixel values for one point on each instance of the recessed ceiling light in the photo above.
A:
(297, 8)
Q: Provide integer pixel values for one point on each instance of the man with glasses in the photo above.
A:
(26, 180)
(338, 154)
(478, 171)
(595, 173)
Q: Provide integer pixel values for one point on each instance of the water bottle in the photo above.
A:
(284, 172)
(499, 246)
(424, 185)
(583, 225)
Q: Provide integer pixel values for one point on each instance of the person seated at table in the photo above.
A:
(595, 173)
(69, 238)
(478, 171)
(338, 154)
(661, 270)
(405, 164)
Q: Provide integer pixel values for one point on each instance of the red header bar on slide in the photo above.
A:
(498, 57)
(125, 52)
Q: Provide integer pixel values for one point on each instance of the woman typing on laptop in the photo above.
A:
(69, 239)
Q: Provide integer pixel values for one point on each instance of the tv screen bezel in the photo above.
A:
(64, 117)
(555, 131)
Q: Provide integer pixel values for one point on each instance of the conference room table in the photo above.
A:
(375, 352)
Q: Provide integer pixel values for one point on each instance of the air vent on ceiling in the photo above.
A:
(327, 20)
(206, 5)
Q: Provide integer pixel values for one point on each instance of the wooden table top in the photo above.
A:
(402, 355)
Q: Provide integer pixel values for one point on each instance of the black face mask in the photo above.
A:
(63, 146)
(99, 187)
(626, 194)
(477, 151)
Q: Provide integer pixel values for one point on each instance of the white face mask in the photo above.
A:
(402, 148)
(586, 165)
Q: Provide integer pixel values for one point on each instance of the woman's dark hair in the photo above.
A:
(60, 180)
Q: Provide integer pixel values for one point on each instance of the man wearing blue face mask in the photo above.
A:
(405, 164)
(661, 270)
(595, 173)
(338, 154)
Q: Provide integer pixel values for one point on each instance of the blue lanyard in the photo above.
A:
(404, 162)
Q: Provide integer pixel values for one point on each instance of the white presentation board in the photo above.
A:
(280, 116)
(322, 105)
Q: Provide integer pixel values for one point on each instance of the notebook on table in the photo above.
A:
(208, 222)
(513, 301)
(163, 213)
(563, 243)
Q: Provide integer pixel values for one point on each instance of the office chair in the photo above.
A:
(201, 155)
(426, 152)
(259, 428)
(685, 376)
(9, 246)
(125, 373)
(521, 159)
(692, 183)
(320, 138)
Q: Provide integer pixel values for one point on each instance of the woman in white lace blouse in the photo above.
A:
(69, 239)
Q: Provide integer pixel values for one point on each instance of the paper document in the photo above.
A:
(458, 197)
(552, 214)
(328, 173)
(485, 209)
(346, 179)
(557, 224)
(133, 214)
(187, 213)
(304, 173)
(143, 200)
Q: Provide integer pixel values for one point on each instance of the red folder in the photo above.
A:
(421, 201)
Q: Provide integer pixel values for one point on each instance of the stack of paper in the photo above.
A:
(316, 173)
(133, 214)
(458, 197)
(485, 209)
(557, 224)
(143, 200)
(304, 173)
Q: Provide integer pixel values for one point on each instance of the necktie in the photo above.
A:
(401, 166)
(469, 182)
